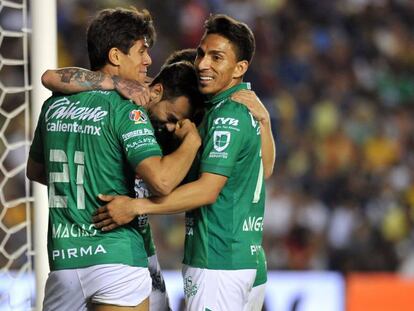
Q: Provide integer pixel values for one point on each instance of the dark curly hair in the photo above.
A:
(119, 28)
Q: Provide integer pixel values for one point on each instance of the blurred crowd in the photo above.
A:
(338, 79)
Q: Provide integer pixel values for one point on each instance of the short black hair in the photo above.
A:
(188, 55)
(180, 79)
(238, 33)
(119, 28)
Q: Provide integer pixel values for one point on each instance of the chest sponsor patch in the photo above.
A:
(226, 121)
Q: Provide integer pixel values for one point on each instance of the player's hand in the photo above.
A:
(187, 129)
(253, 103)
(130, 89)
(118, 211)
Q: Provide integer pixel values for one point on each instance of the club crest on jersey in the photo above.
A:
(138, 116)
(221, 140)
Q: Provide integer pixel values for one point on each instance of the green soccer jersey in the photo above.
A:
(261, 272)
(91, 143)
(227, 235)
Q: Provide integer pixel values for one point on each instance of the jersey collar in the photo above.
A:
(226, 94)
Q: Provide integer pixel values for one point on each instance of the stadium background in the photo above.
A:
(338, 80)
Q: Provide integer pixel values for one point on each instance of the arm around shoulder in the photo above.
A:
(73, 80)
(268, 148)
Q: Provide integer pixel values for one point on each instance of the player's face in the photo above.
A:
(134, 65)
(215, 64)
(166, 112)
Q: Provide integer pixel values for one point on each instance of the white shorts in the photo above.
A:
(113, 284)
(158, 299)
(256, 298)
(217, 290)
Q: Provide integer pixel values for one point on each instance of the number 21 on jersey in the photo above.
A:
(60, 201)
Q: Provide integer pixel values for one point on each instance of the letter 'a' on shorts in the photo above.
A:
(256, 298)
(217, 289)
(113, 284)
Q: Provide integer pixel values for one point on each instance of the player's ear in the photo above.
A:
(156, 92)
(114, 57)
(241, 68)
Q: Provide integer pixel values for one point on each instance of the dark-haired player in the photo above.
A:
(97, 141)
(224, 235)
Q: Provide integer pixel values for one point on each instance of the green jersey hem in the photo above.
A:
(215, 169)
(135, 160)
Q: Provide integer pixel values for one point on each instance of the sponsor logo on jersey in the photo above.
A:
(61, 231)
(139, 132)
(226, 121)
(144, 142)
(78, 252)
(138, 117)
(253, 224)
(254, 249)
(221, 140)
(73, 127)
(64, 109)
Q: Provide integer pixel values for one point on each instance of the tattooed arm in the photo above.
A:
(73, 80)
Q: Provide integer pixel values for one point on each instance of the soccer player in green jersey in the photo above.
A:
(97, 141)
(223, 237)
(168, 142)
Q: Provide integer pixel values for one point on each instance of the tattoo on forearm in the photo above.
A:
(117, 80)
(127, 87)
(82, 77)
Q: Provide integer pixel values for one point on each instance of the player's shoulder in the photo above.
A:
(118, 102)
(110, 96)
(230, 109)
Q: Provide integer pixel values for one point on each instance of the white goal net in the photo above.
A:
(15, 199)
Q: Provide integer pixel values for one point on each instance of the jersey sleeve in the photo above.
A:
(136, 134)
(36, 152)
(224, 140)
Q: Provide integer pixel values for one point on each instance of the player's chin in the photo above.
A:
(142, 77)
(205, 88)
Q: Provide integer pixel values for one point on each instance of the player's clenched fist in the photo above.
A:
(187, 129)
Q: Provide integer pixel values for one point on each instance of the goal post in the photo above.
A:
(43, 56)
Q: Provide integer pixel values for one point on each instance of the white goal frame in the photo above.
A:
(43, 56)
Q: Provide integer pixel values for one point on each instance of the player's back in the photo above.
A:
(85, 153)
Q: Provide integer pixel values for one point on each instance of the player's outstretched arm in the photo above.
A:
(260, 113)
(121, 210)
(73, 80)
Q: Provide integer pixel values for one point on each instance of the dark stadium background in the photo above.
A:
(338, 80)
